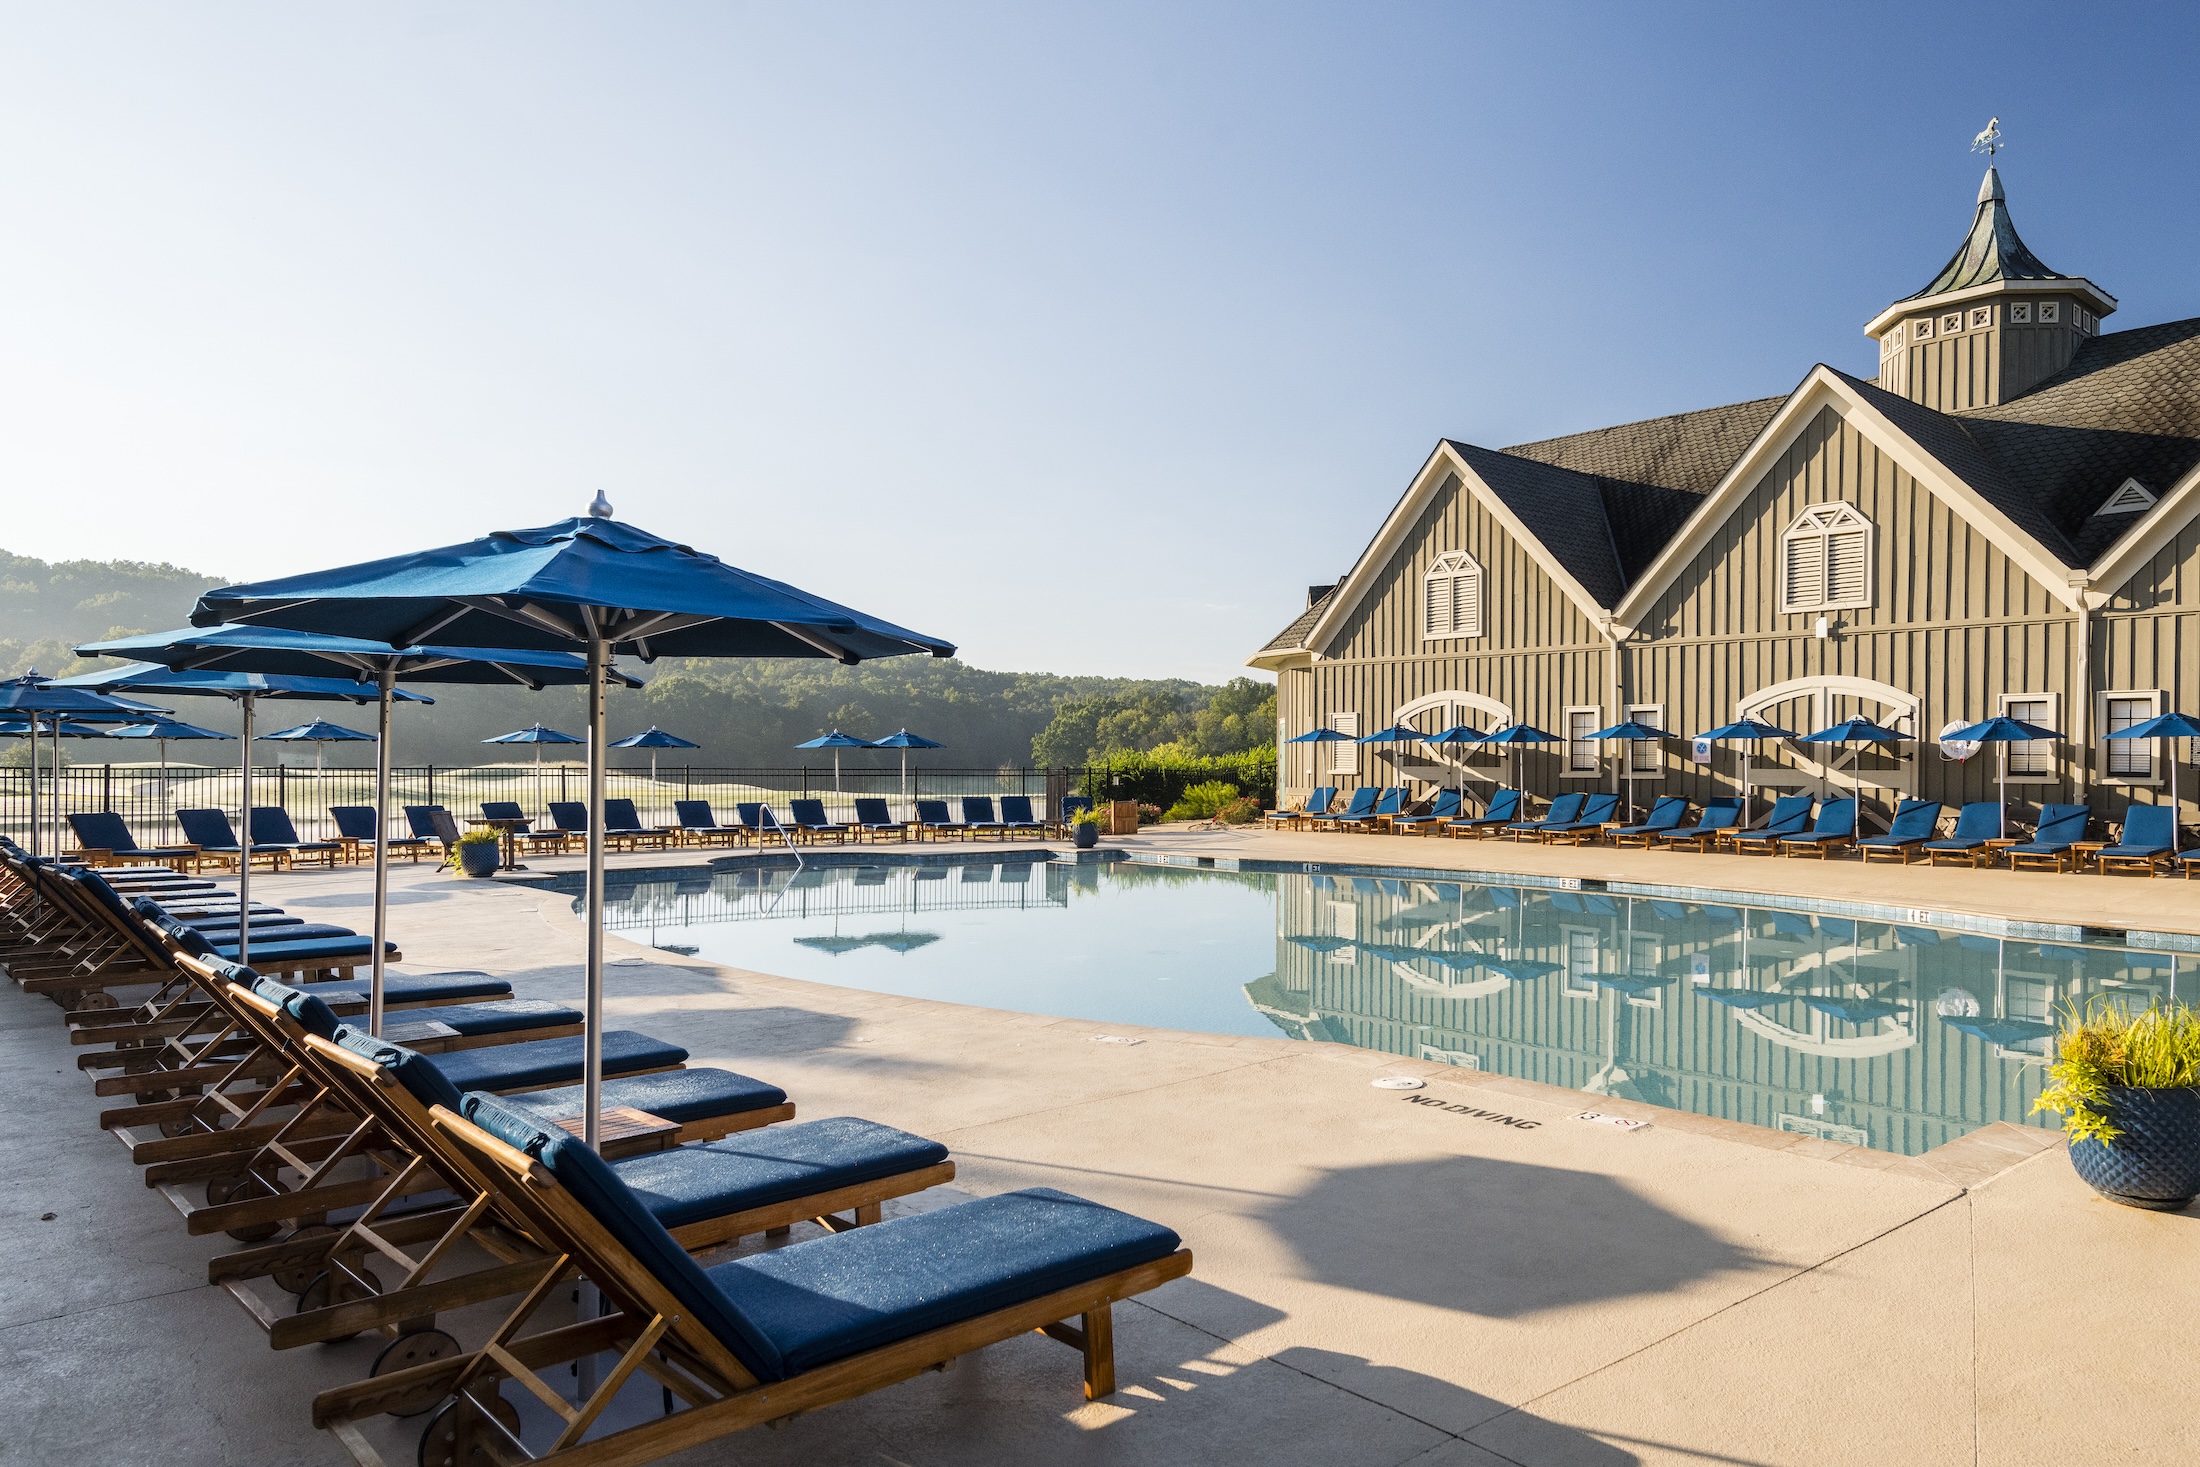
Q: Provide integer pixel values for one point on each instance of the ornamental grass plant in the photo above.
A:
(2109, 1045)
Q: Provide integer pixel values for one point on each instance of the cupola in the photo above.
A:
(1994, 323)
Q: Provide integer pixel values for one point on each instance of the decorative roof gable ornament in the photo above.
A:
(2130, 497)
(600, 507)
(1989, 141)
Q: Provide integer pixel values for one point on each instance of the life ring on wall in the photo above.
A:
(1955, 750)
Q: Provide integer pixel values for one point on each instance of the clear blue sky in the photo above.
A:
(1085, 337)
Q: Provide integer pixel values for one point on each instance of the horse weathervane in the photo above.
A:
(1989, 141)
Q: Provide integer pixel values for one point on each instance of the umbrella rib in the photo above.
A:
(825, 645)
(438, 622)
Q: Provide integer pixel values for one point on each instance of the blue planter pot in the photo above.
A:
(479, 859)
(2156, 1162)
(1084, 837)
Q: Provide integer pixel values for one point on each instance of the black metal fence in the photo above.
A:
(1165, 786)
(147, 798)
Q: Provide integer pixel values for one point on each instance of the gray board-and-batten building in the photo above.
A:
(2005, 520)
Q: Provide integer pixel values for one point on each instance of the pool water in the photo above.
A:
(1894, 1036)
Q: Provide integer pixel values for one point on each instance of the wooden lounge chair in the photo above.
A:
(1444, 807)
(762, 826)
(699, 826)
(212, 833)
(1835, 828)
(1017, 817)
(1317, 803)
(1905, 836)
(103, 838)
(1071, 806)
(1720, 818)
(271, 827)
(2054, 840)
(1502, 810)
(622, 827)
(759, 1337)
(357, 823)
(1976, 823)
(1564, 810)
(1790, 815)
(2149, 833)
(568, 825)
(978, 817)
(1665, 817)
(809, 817)
(933, 820)
(874, 818)
(1587, 827)
(1357, 808)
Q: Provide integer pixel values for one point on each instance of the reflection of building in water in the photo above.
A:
(752, 894)
(1824, 1025)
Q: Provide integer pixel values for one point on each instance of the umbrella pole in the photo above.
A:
(592, 1002)
(2004, 747)
(34, 784)
(905, 784)
(244, 841)
(388, 681)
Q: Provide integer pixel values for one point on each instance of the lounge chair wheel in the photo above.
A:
(318, 1294)
(178, 1126)
(94, 998)
(298, 1277)
(421, 1348)
(454, 1437)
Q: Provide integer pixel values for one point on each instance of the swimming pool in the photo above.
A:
(1890, 1035)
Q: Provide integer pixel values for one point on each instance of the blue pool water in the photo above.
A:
(1891, 1035)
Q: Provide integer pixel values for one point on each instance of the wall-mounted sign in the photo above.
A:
(1700, 751)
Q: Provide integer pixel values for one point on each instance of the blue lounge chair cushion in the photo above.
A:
(676, 1095)
(1976, 824)
(1789, 814)
(271, 826)
(502, 1017)
(310, 1013)
(330, 949)
(1666, 814)
(453, 987)
(621, 815)
(872, 814)
(695, 815)
(1913, 821)
(1836, 821)
(829, 1298)
(570, 816)
(540, 1062)
(222, 931)
(2148, 830)
(501, 810)
(2060, 827)
(774, 1164)
(1016, 813)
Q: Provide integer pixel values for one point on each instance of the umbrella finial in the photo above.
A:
(600, 507)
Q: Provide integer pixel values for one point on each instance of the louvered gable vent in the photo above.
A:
(1451, 596)
(1826, 560)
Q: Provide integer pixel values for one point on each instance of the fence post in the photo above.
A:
(107, 788)
(431, 785)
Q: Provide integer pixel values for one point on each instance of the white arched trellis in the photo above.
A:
(1813, 768)
(1447, 765)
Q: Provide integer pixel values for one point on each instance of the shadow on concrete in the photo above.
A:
(363, 899)
(1427, 1398)
(1495, 1238)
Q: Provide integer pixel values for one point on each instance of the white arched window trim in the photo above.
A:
(1451, 597)
(1826, 560)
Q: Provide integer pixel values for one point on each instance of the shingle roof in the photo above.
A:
(1689, 452)
(1991, 251)
(2127, 407)
(1562, 509)
(1293, 637)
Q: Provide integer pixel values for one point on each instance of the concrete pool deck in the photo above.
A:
(1381, 1280)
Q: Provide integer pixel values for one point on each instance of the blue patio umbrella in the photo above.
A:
(1517, 736)
(317, 733)
(836, 741)
(537, 735)
(1320, 736)
(653, 738)
(2165, 726)
(1752, 732)
(164, 729)
(904, 740)
(1458, 733)
(1855, 731)
(1633, 732)
(2002, 731)
(1397, 733)
(32, 697)
(296, 658)
(588, 584)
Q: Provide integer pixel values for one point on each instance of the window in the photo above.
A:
(2050, 312)
(1646, 757)
(1921, 329)
(1583, 756)
(1645, 959)
(1826, 560)
(2129, 760)
(1951, 323)
(1451, 597)
(1344, 758)
(2036, 760)
(1582, 954)
(1982, 316)
(2020, 313)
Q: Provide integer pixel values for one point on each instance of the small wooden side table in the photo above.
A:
(2083, 852)
(622, 1130)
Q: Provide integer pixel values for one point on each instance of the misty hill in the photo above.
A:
(745, 713)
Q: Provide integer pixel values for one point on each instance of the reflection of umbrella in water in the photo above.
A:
(900, 942)
(1521, 970)
(1744, 998)
(1413, 919)
(2004, 1032)
(1634, 985)
(1315, 942)
(1853, 1010)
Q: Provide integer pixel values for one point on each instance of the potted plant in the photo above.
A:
(2127, 1085)
(1084, 829)
(477, 852)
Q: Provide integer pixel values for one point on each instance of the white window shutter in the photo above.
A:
(1440, 608)
(1466, 603)
(1344, 758)
(1803, 583)
(1848, 568)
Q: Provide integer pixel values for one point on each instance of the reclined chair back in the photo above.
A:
(570, 816)
(872, 811)
(978, 810)
(1318, 803)
(1790, 813)
(1016, 810)
(1667, 813)
(501, 810)
(933, 812)
(1445, 805)
(2149, 826)
(271, 827)
(621, 815)
(209, 830)
(694, 814)
(1566, 809)
(102, 831)
(445, 826)
(809, 814)
(1914, 820)
(1721, 815)
(1836, 817)
(1071, 804)
(353, 822)
(1504, 805)
(420, 819)
(756, 815)
(1597, 809)
(1362, 803)
(1979, 820)
(2065, 825)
